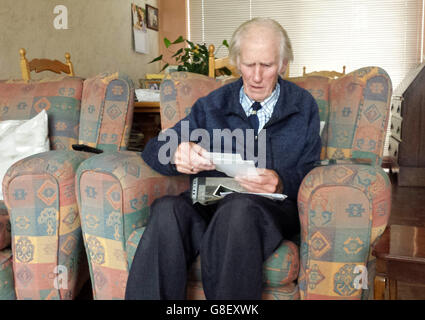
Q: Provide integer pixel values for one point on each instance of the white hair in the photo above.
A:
(285, 47)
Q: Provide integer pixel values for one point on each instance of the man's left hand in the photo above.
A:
(267, 181)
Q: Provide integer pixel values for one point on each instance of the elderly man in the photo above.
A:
(236, 235)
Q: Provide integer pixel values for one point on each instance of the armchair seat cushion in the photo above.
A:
(281, 268)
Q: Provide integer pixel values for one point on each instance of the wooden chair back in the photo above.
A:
(215, 65)
(40, 65)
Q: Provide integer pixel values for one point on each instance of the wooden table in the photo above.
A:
(146, 107)
(400, 256)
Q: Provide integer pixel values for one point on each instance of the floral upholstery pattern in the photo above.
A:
(39, 191)
(343, 208)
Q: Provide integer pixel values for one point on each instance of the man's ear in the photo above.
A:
(284, 67)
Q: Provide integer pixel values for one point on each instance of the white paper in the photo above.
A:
(232, 164)
(147, 95)
(141, 43)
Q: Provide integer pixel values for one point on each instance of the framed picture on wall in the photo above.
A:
(152, 17)
(140, 33)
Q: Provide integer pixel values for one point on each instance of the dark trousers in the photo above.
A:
(233, 237)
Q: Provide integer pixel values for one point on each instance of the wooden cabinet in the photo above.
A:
(407, 142)
(146, 124)
(146, 107)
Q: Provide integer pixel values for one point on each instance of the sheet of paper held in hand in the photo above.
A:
(232, 164)
(209, 190)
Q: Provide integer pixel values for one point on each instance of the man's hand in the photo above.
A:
(190, 158)
(267, 181)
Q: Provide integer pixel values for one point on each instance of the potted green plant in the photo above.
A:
(192, 58)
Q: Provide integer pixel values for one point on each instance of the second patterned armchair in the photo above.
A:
(343, 205)
(39, 191)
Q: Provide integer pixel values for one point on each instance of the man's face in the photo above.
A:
(259, 63)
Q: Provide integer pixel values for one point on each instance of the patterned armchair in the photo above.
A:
(343, 208)
(39, 191)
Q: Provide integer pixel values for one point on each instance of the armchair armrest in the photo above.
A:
(46, 233)
(114, 192)
(343, 209)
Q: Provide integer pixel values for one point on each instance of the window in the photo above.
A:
(325, 34)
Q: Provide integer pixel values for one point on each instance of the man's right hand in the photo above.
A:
(190, 158)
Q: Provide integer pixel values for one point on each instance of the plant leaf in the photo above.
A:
(177, 53)
(178, 40)
(225, 43)
(163, 68)
(156, 59)
(167, 42)
(191, 44)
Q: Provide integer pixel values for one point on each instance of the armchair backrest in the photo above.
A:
(107, 112)
(61, 98)
(355, 108)
(319, 89)
(180, 92)
(97, 112)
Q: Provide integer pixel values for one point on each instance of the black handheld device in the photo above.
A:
(83, 147)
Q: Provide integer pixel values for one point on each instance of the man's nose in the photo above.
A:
(257, 74)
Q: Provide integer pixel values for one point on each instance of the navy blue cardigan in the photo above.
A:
(292, 134)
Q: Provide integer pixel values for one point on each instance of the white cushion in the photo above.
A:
(20, 139)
